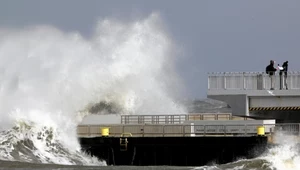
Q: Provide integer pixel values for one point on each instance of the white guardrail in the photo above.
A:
(250, 80)
(180, 118)
(185, 130)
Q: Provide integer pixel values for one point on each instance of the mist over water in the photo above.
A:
(49, 79)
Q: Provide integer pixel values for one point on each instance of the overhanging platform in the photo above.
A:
(249, 95)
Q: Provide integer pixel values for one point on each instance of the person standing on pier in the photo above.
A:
(280, 76)
(285, 70)
(270, 69)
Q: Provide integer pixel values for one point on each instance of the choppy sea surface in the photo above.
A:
(253, 164)
(244, 164)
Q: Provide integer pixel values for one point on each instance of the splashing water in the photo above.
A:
(48, 79)
(286, 155)
(28, 142)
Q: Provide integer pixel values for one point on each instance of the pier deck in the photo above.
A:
(178, 140)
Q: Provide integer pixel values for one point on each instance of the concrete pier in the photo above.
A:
(173, 125)
(179, 140)
(249, 95)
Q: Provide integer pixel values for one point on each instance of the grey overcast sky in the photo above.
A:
(216, 36)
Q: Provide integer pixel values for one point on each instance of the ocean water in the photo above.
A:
(50, 80)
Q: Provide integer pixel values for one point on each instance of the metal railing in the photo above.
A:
(186, 130)
(250, 80)
(176, 119)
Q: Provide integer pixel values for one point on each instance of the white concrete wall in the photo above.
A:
(101, 119)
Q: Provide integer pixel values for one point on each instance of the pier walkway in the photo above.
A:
(185, 125)
(249, 95)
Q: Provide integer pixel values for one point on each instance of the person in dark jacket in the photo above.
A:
(280, 68)
(285, 70)
(270, 69)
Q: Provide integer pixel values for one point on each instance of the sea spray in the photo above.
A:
(282, 155)
(49, 79)
(285, 154)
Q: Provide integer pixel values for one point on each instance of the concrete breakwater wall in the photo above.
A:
(173, 151)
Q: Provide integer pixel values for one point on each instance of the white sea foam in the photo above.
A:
(284, 156)
(48, 78)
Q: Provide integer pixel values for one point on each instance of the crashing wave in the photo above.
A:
(29, 142)
(50, 79)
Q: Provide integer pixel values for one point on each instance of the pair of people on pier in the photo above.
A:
(271, 70)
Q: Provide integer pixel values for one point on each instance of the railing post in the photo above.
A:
(172, 119)
(244, 83)
(224, 81)
(264, 81)
(208, 82)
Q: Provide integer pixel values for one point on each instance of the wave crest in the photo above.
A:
(29, 142)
